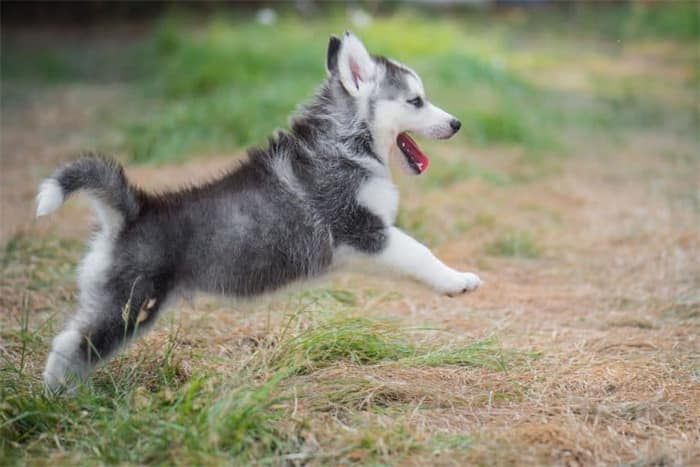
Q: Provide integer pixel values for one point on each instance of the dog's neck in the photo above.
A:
(333, 117)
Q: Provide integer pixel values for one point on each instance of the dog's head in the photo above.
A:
(390, 98)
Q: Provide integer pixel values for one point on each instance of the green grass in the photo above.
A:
(200, 420)
(363, 341)
(679, 20)
(443, 174)
(52, 260)
(228, 83)
(356, 340)
(516, 243)
(146, 407)
(41, 60)
(126, 415)
(482, 353)
(165, 404)
(481, 219)
(223, 88)
(447, 442)
(387, 445)
(417, 222)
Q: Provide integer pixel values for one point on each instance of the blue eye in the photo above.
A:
(417, 102)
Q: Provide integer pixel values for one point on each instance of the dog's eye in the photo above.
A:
(417, 102)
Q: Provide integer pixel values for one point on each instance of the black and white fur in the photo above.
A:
(318, 196)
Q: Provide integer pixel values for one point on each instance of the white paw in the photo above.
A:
(460, 283)
(63, 369)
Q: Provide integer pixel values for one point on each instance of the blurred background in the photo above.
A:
(572, 189)
(161, 82)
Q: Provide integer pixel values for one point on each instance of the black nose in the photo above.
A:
(455, 124)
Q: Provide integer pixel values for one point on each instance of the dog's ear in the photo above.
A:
(332, 55)
(355, 66)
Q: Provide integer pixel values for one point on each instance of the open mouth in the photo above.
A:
(416, 161)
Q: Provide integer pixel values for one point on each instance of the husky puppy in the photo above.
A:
(318, 196)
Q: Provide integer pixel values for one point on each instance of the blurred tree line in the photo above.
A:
(23, 12)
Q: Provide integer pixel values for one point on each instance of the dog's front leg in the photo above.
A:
(405, 255)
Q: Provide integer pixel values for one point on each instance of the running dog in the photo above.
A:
(318, 196)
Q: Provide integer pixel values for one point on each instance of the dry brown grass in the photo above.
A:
(612, 303)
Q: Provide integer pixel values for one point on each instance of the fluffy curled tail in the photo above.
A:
(103, 179)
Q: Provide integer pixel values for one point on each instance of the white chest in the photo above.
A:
(381, 197)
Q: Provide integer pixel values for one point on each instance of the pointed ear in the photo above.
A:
(355, 66)
(332, 55)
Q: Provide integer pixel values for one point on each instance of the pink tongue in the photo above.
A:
(415, 157)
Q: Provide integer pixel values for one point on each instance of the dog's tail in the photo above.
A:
(115, 201)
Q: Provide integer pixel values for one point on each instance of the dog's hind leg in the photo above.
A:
(109, 316)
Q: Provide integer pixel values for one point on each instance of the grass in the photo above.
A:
(152, 407)
(129, 425)
(221, 90)
(516, 243)
(145, 408)
(578, 146)
(417, 221)
(362, 341)
(444, 174)
(125, 416)
(217, 87)
(357, 340)
(682, 21)
(53, 260)
(446, 442)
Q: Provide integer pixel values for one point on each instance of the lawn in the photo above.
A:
(572, 190)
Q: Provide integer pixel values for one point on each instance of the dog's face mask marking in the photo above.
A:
(390, 97)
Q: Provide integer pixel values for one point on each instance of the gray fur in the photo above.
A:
(277, 218)
(105, 179)
(394, 83)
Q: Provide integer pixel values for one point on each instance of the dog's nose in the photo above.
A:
(455, 124)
